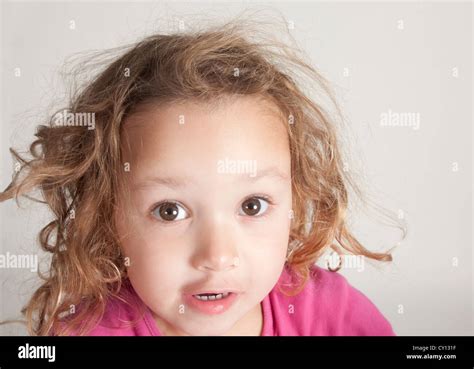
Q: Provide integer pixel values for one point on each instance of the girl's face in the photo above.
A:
(208, 210)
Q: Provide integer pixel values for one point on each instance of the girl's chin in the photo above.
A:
(207, 329)
(195, 327)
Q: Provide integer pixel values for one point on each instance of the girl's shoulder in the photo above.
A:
(327, 306)
(124, 315)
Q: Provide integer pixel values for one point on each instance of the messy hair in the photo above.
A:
(76, 169)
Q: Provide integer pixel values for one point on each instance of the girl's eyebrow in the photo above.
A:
(182, 181)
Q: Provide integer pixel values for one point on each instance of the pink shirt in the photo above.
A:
(327, 306)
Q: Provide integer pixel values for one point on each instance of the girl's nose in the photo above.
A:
(216, 250)
(217, 264)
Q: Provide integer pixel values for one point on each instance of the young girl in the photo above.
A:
(197, 199)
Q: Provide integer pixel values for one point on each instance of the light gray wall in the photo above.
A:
(375, 65)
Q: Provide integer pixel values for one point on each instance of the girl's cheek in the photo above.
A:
(150, 262)
(275, 227)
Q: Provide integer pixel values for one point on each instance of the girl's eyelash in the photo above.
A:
(263, 197)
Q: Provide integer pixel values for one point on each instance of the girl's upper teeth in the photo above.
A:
(207, 297)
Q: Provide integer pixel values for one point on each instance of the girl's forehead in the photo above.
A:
(190, 144)
(242, 128)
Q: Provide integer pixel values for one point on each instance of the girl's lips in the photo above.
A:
(211, 307)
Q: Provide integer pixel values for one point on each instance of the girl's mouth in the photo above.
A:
(211, 303)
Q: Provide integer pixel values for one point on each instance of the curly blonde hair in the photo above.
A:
(76, 169)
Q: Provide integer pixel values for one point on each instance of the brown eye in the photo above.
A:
(253, 206)
(169, 211)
